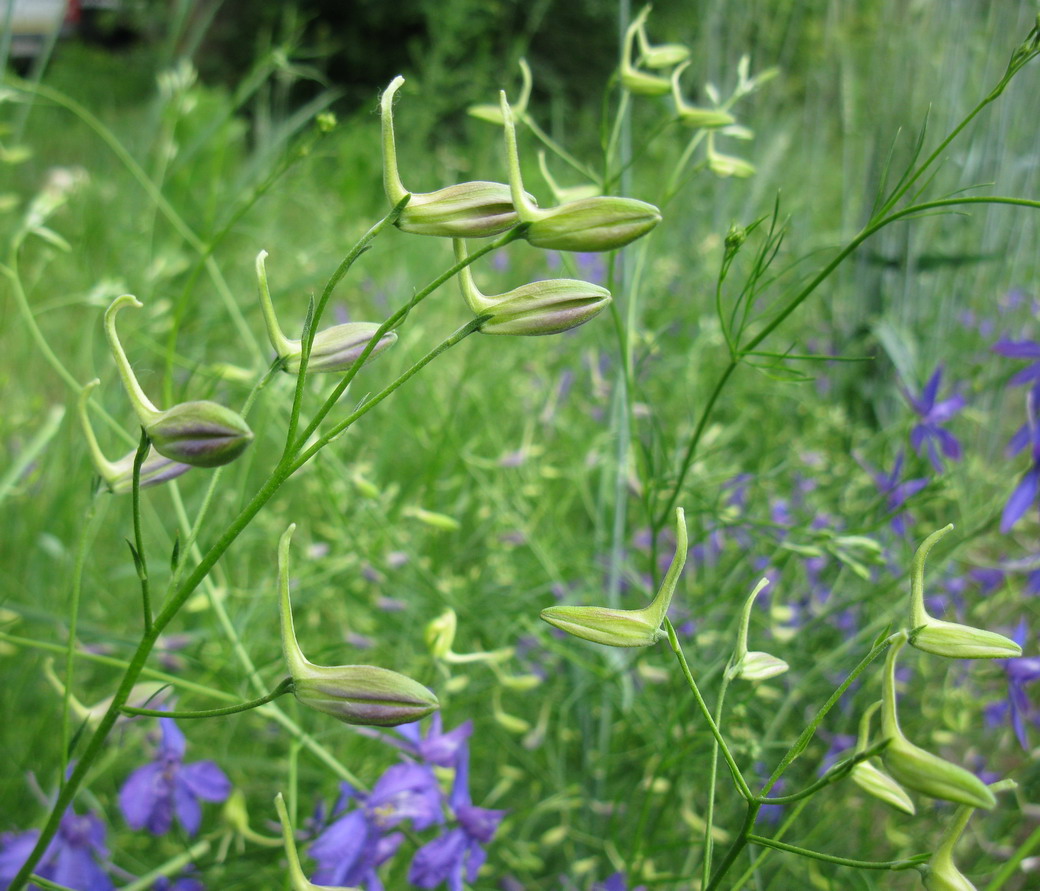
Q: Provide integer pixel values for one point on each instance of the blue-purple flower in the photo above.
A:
(1019, 673)
(1028, 487)
(896, 493)
(928, 432)
(351, 849)
(71, 859)
(156, 793)
(460, 850)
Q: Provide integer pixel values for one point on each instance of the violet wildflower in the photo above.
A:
(1028, 487)
(351, 849)
(896, 493)
(435, 747)
(156, 793)
(1021, 349)
(460, 850)
(1019, 672)
(71, 859)
(928, 432)
(616, 882)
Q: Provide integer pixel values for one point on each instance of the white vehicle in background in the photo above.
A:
(27, 27)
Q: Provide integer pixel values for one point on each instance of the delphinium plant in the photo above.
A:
(419, 817)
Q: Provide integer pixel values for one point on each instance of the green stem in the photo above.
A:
(1012, 864)
(831, 776)
(738, 778)
(831, 858)
(140, 562)
(286, 686)
(171, 866)
(713, 772)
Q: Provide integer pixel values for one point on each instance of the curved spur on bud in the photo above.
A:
(466, 210)
(603, 223)
(354, 694)
(727, 165)
(119, 475)
(639, 83)
(691, 115)
(333, 349)
(493, 113)
(950, 639)
(663, 55)
(545, 307)
(917, 769)
(202, 434)
(756, 665)
(625, 627)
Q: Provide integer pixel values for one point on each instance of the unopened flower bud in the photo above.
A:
(872, 779)
(950, 639)
(119, 475)
(333, 349)
(625, 627)
(465, 210)
(545, 307)
(692, 116)
(753, 666)
(727, 165)
(876, 782)
(603, 223)
(916, 768)
(633, 80)
(354, 694)
(201, 434)
(440, 633)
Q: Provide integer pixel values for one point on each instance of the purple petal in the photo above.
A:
(931, 390)
(1020, 500)
(946, 409)
(205, 780)
(475, 857)
(173, 743)
(141, 794)
(435, 860)
(14, 851)
(1027, 374)
(905, 491)
(951, 447)
(460, 797)
(1018, 441)
(1017, 349)
(187, 807)
(338, 848)
(75, 868)
(479, 823)
(443, 748)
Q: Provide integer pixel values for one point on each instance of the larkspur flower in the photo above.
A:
(1021, 349)
(1025, 493)
(460, 850)
(929, 433)
(71, 859)
(1017, 707)
(352, 848)
(156, 793)
(435, 746)
(896, 493)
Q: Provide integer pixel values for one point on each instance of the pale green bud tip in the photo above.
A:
(931, 775)
(592, 224)
(337, 348)
(546, 307)
(759, 666)
(612, 627)
(962, 641)
(946, 877)
(364, 694)
(879, 784)
(202, 434)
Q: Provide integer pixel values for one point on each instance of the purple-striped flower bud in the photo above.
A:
(466, 210)
(354, 694)
(602, 223)
(201, 434)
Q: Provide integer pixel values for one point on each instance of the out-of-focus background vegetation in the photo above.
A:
(184, 133)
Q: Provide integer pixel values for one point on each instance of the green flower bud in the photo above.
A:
(873, 780)
(466, 210)
(664, 55)
(354, 694)
(754, 666)
(950, 639)
(202, 434)
(604, 223)
(493, 113)
(917, 769)
(625, 627)
(876, 782)
(633, 80)
(119, 475)
(545, 307)
(727, 165)
(691, 115)
(333, 349)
